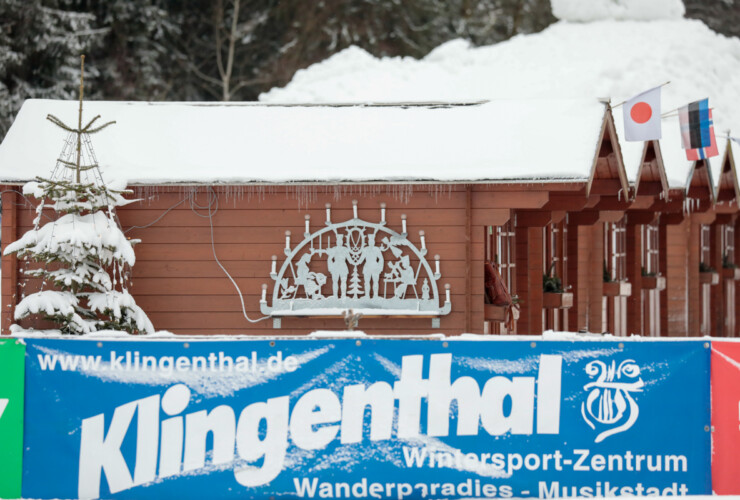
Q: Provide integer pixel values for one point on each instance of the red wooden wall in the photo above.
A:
(178, 283)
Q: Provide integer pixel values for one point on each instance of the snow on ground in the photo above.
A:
(605, 58)
(638, 10)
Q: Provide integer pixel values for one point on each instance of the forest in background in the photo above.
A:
(233, 50)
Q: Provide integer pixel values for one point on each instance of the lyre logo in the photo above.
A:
(609, 407)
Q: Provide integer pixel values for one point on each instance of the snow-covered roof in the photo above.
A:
(729, 150)
(153, 143)
(603, 58)
(677, 168)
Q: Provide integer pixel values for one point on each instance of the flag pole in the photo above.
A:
(729, 137)
(651, 88)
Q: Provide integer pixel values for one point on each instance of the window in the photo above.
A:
(500, 249)
(728, 245)
(650, 250)
(555, 251)
(614, 307)
(555, 263)
(705, 254)
(650, 260)
(615, 250)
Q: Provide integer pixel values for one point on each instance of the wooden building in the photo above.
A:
(724, 233)
(229, 193)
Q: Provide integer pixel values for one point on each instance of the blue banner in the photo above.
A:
(365, 418)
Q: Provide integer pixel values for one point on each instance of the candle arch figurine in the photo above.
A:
(357, 257)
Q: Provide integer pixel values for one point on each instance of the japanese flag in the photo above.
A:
(642, 116)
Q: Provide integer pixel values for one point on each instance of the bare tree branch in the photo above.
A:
(205, 77)
(250, 82)
(218, 19)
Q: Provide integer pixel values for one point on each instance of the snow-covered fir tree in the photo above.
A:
(81, 255)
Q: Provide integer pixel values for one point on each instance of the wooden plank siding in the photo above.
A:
(586, 273)
(10, 201)
(529, 278)
(681, 284)
(178, 283)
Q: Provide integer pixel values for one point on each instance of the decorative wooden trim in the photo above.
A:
(731, 273)
(709, 278)
(552, 300)
(653, 283)
(494, 313)
(617, 289)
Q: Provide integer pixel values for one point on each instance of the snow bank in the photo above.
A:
(320, 335)
(580, 62)
(638, 10)
(600, 59)
(608, 58)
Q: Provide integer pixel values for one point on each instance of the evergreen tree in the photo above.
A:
(723, 16)
(83, 253)
(136, 59)
(223, 50)
(40, 41)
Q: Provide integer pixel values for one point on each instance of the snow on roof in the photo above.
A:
(151, 143)
(599, 59)
(677, 168)
(723, 141)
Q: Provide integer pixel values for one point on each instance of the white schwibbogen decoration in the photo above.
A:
(369, 270)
